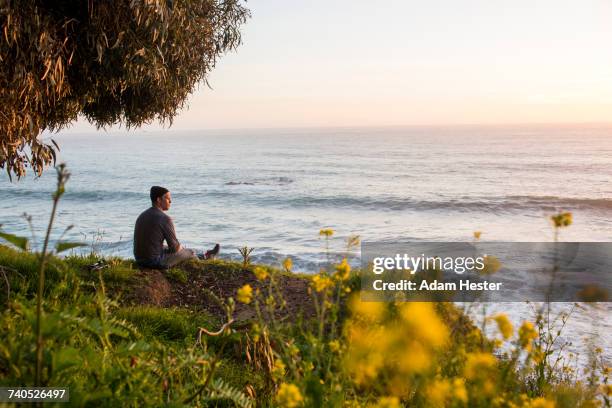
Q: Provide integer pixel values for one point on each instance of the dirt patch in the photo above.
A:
(152, 287)
(223, 279)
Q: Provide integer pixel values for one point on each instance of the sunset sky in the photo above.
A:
(366, 63)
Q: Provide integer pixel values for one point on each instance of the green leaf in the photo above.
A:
(19, 242)
(64, 246)
(66, 357)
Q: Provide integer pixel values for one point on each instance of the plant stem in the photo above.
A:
(62, 177)
(39, 295)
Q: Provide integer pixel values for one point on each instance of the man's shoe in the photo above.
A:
(210, 254)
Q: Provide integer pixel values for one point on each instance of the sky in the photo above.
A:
(321, 63)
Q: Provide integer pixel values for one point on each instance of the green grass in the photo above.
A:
(106, 336)
(172, 325)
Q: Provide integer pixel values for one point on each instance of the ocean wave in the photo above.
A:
(462, 204)
(490, 204)
(567, 203)
(77, 195)
(265, 181)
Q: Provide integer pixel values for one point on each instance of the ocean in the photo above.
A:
(274, 190)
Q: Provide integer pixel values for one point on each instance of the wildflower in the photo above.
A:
(293, 350)
(526, 335)
(278, 371)
(366, 353)
(343, 270)
(538, 355)
(260, 273)
(387, 402)
(256, 331)
(438, 392)
(245, 294)
(422, 320)
(491, 265)
(321, 282)
(477, 235)
(459, 391)
(327, 232)
(334, 346)
(289, 396)
(416, 359)
(368, 311)
(478, 365)
(270, 301)
(540, 402)
(562, 219)
(287, 264)
(504, 325)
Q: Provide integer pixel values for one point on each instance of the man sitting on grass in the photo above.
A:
(153, 227)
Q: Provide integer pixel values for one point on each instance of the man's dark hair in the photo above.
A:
(157, 191)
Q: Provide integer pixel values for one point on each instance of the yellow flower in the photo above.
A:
(321, 282)
(343, 270)
(366, 352)
(287, 264)
(539, 403)
(423, 321)
(459, 391)
(478, 365)
(387, 402)
(256, 331)
(527, 334)
(334, 346)
(293, 349)
(477, 234)
(367, 311)
(562, 219)
(415, 359)
(245, 294)
(278, 371)
(606, 389)
(438, 392)
(289, 396)
(537, 355)
(260, 273)
(504, 325)
(327, 232)
(491, 265)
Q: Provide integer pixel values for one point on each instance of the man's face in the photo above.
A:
(164, 201)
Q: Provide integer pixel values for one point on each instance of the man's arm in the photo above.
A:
(170, 236)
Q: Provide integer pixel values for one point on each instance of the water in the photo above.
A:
(275, 189)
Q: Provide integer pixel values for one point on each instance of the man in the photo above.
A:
(152, 228)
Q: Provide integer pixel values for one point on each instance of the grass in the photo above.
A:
(110, 351)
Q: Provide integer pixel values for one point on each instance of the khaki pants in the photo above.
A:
(171, 259)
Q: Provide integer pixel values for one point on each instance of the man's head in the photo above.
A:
(160, 198)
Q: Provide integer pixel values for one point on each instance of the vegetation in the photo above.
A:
(124, 62)
(83, 330)
(350, 353)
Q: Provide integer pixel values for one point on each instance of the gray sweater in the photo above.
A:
(152, 227)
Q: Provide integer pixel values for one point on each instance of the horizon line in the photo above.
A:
(143, 129)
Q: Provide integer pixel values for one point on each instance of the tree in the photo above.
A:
(123, 61)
